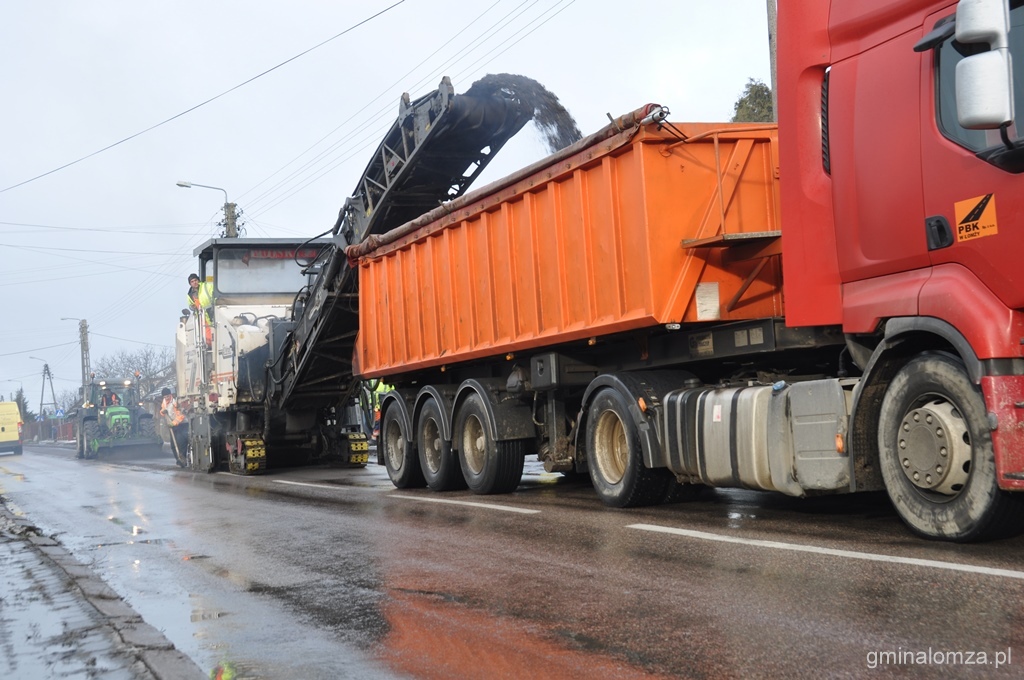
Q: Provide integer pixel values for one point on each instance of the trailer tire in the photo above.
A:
(440, 465)
(488, 466)
(936, 454)
(400, 458)
(614, 456)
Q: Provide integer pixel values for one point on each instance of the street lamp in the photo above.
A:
(83, 339)
(230, 230)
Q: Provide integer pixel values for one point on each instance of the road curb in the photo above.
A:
(146, 645)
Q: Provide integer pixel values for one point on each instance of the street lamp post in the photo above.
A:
(230, 228)
(83, 338)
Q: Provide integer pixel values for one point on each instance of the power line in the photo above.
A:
(128, 229)
(39, 349)
(211, 99)
(346, 148)
(137, 342)
(79, 250)
(349, 119)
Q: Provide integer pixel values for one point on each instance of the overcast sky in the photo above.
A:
(110, 239)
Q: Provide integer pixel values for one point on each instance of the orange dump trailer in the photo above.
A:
(653, 225)
(608, 309)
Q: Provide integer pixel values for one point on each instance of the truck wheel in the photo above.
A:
(399, 457)
(615, 458)
(439, 464)
(936, 455)
(487, 466)
(79, 448)
(90, 433)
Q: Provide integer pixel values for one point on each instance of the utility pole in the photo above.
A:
(230, 228)
(230, 214)
(46, 376)
(83, 339)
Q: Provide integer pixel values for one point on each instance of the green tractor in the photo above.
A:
(111, 416)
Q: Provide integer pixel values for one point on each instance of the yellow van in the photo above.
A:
(10, 427)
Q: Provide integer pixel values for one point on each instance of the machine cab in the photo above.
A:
(222, 348)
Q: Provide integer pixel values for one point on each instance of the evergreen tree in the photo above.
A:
(755, 104)
(27, 414)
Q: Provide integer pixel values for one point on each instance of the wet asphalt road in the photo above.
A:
(333, 573)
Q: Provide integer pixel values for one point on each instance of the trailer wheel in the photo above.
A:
(936, 454)
(439, 464)
(399, 457)
(614, 456)
(487, 466)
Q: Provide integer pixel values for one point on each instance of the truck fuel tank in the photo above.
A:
(783, 437)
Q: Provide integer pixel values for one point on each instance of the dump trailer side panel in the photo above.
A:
(635, 231)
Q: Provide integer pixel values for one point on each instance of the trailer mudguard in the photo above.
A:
(508, 418)
(649, 386)
(401, 400)
(444, 395)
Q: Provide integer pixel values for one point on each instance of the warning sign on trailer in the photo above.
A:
(976, 217)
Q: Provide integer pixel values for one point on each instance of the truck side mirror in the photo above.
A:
(984, 82)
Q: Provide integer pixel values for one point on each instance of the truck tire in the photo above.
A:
(90, 433)
(79, 448)
(615, 458)
(488, 466)
(936, 455)
(439, 464)
(400, 458)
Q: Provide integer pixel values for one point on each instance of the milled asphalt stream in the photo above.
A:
(59, 620)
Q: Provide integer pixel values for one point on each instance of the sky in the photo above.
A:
(280, 105)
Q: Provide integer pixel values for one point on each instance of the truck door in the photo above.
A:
(874, 142)
(973, 207)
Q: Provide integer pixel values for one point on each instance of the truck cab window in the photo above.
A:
(261, 270)
(949, 55)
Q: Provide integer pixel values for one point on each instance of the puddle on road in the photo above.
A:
(108, 544)
(737, 520)
(349, 482)
(202, 614)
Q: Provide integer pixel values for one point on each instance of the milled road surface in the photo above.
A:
(333, 573)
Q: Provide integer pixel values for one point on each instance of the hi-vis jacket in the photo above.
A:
(202, 299)
(169, 408)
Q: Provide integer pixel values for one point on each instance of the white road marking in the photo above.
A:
(797, 547)
(489, 506)
(333, 487)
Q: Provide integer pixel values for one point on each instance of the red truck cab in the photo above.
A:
(901, 193)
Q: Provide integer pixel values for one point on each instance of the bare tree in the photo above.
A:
(150, 363)
(68, 399)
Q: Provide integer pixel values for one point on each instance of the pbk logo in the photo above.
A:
(976, 217)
